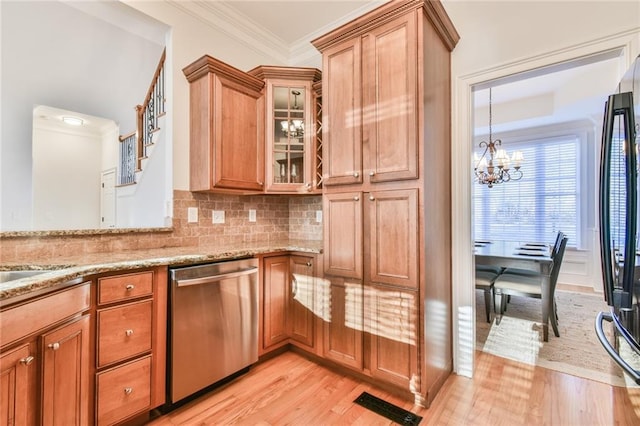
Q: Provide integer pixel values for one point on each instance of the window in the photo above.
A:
(546, 200)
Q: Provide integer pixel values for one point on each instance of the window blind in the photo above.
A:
(543, 202)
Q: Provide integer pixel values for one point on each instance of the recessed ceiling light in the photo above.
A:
(73, 121)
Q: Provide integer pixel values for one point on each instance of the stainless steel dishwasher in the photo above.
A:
(213, 327)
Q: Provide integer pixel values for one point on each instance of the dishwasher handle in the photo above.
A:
(215, 278)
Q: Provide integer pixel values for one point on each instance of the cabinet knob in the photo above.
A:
(372, 173)
(128, 333)
(130, 287)
(127, 391)
(309, 263)
(55, 346)
(356, 174)
(356, 198)
(26, 361)
(372, 198)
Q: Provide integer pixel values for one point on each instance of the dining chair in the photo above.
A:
(530, 285)
(554, 250)
(485, 277)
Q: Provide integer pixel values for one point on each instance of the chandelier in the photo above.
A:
(293, 128)
(494, 166)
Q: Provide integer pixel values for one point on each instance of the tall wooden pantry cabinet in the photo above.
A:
(386, 196)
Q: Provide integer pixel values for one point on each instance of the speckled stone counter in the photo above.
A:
(64, 269)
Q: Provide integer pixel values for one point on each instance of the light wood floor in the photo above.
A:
(290, 389)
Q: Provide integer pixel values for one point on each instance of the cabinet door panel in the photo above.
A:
(302, 300)
(16, 399)
(65, 373)
(342, 132)
(343, 234)
(390, 100)
(239, 136)
(276, 293)
(343, 322)
(393, 233)
(392, 321)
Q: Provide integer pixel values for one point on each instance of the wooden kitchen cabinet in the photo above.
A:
(302, 301)
(275, 304)
(342, 229)
(226, 124)
(290, 302)
(370, 93)
(392, 221)
(343, 322)
(290, 126)
(391, 318)
(18, 401)
(386, 193)
(388, 220)
(130, 366)
(65, 374)
(45, 359)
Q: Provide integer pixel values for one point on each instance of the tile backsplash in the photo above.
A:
(278, 218)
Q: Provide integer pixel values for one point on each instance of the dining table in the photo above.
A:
(523, 255)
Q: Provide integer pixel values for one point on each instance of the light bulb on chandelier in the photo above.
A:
(293, 128)
(494, 165)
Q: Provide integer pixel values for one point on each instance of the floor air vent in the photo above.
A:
(388, 410)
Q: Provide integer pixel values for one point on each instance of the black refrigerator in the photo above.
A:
(618, 220)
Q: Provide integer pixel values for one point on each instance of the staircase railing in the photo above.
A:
(128, 155)
(134, 147)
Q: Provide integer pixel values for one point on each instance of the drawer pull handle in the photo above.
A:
(127, 391)
(26, 361)
(129, 333)
(55, 346)
(130, 287)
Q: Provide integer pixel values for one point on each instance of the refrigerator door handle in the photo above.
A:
(606, 316)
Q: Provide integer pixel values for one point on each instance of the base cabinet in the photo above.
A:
(130, 344)
(302, 301)
(343, 320)
(275, 304)
(18, 393)
(392, 326)
(65, 374)
(289, 302)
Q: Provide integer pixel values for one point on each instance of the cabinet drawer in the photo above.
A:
(123, 287)
(124, 331)
(124, 391)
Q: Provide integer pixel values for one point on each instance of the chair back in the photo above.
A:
(557, 262)
(556, 245)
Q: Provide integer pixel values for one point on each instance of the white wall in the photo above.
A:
(499, 39)
(66, 182)
(56, 55)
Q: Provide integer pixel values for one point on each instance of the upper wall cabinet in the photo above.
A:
(226, 128)
(371, 90)
(290, 128)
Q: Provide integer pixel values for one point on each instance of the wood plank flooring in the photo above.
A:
(292, 390)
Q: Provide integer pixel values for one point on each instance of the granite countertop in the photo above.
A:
(62, 270)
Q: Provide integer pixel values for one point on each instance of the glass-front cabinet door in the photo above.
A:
(291, 129)
(291, 135)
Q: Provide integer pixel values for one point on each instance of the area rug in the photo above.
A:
(577, 351)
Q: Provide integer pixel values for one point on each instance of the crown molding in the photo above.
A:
(251, 34)
(235, 25)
